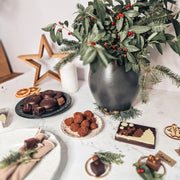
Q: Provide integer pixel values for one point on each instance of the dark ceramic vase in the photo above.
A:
(113, 88)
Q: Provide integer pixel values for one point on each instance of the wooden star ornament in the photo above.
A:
(29, 59)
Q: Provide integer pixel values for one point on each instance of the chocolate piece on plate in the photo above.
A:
(27, 108)
(49, 104)
(48, 94)
(153, 162)
(136, 134)
(58, 95)
(97, 167)
(61, 101)
(39, 110)
(30, 143)
(33, 99)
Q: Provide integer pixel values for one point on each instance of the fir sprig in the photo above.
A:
(110, 157)
(17, 158)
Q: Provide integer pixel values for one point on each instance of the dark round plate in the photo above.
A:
(58, 110)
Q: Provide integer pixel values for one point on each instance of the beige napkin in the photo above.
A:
(15, 172)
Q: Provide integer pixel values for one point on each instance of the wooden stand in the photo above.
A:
(5, 69)
(29, 59)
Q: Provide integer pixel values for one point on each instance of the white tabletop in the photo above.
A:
(163, 109)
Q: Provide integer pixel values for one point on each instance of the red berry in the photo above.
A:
(118, 17)
(113, 23)
(59, 30)
(69, 33)
(93, 43)
(80, 18)
(92, 19)
(59, 22)
(125, 55)
(141, 170)
(114, 47)
(120, 49)
(118, 37)
(89, 42)
(126, 7)
(120, 14)
(129, 5)
(105, 44)
(125, 49)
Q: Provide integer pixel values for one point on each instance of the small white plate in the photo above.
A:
(66, 129)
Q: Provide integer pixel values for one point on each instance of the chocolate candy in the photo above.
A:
(153, 162)
(39, 110)
(97, 167)
(61, 101)
(27, 108)
(30, 143)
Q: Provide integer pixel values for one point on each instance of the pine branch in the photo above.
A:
(64, 60)
(110, 157)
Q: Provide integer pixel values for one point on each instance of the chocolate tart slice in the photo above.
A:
(136, 134)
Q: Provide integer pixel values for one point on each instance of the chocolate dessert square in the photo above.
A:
(30, 143)
(153, 162)
(61, 101)
(39, 110)
(136, 134)
(97, 167)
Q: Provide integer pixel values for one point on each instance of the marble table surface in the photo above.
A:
(163, 109)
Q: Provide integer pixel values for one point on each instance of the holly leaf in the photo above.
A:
(49, 27)
(140, 29)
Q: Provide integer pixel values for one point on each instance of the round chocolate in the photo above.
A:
(49, 104)
(48, 94)
(33, 99)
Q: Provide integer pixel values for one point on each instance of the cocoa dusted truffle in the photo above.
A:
(48, 94)
(49, 104)
(33, 99)
(74, 127)
(97, 167)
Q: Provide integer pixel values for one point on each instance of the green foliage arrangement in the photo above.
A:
(120, 31)
(15, 158)
(110, 157)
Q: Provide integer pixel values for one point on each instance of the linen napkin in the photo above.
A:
(18, 172)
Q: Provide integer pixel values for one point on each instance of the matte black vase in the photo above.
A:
(113, 88)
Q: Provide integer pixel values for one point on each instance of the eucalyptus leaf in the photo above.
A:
(139, 29)
(119, 24)
(91, 58)
(59, 36)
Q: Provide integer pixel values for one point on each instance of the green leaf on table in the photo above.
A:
(49, 27)
(59, 36)
(119, 24)
(139, 29)
(52, 34)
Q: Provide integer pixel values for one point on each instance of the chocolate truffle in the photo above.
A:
(33, 99)
(97, 167)
(49, 104)
(48, 94)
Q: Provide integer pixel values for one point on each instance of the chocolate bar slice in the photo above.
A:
(61, 101)
(39, 110)
(153, 162)
(136, 134)
(97, 167)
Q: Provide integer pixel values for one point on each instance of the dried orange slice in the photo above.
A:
(34, 90)
(22, 93)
